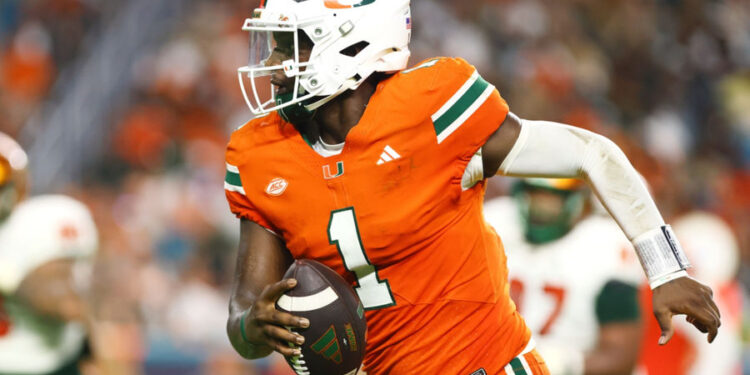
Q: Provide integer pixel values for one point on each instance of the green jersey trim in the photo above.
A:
(459, 108)
(232, 180)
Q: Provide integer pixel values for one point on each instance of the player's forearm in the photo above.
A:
(547, 149)
(235, 327)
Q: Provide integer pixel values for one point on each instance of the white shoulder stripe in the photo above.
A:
(232, 168)
(461, 91)
(234, 188)
(308, 303)
(465, 116)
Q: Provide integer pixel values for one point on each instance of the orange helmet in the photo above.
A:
(13, 174)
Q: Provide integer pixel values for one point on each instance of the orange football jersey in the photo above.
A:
(389, 214)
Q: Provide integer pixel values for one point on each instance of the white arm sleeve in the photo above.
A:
(548, 149)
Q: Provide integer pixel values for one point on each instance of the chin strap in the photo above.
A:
(348, 84)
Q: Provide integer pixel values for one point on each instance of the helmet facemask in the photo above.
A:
(269, 41)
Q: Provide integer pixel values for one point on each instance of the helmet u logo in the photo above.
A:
(337, 4)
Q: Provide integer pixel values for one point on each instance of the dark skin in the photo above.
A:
(263, 258)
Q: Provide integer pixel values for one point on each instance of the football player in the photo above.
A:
(570, 277)
(379, 172)
(46, 249)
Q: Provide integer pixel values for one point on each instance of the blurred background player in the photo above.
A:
(572, 277)
(46, 248)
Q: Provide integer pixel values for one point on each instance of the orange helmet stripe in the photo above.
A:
(335, 4)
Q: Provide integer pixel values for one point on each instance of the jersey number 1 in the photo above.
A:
(344, 233)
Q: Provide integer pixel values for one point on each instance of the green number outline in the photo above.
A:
(364, 252)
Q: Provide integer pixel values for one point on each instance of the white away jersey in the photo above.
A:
(38, 230)
(556, 285)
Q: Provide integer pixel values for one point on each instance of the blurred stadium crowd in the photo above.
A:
(669, 81)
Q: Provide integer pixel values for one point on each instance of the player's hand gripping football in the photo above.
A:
(686, 296)
(265, 325)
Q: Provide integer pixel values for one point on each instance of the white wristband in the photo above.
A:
(659, 281)
(660, 254)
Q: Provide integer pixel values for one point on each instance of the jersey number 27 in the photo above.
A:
(556, 293)
(343, 232)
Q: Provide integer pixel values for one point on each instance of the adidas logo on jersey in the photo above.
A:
(388, 154)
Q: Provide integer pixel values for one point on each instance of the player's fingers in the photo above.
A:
(710, 291)
(283, 319)
(698, 325)
(664, 317)
(715, 316)
(712, 306)
(714, 310)
(704, 320)
(712, 333)
(713, 327)
(273, 291)
(284, 348)
(283, 335)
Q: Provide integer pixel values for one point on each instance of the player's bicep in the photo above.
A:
(498, 146)
(262, 259)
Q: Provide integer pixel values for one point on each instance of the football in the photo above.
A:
(335, 341)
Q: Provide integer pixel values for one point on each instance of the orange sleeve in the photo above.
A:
(236, 161)
(467, 109)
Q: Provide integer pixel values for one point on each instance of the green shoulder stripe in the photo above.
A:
(459, 108)
(232, 180)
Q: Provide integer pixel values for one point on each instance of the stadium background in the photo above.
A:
(127, 105)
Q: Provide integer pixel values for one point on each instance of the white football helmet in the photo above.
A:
(380, 30)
